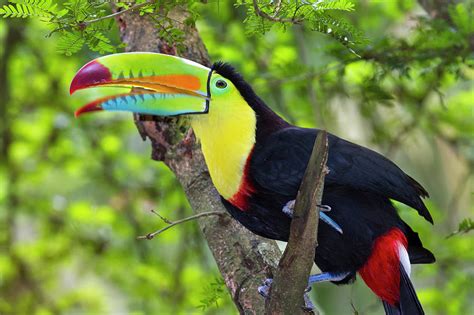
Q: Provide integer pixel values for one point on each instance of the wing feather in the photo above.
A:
(278, 165)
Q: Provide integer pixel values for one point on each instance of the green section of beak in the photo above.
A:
(160, 84)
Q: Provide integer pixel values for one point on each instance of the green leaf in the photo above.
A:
(462, 17)
(324, 5)
(70, 43)
(100, 43)
(465, 226)
(213, 293)
(29, 8)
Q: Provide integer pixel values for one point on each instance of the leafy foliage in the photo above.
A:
(84, 19)
(74, 194)
(263, 15)
(465, 226)
(213, 293)
(70, 43)
(89, 22)
(323, 5)
(30, 8)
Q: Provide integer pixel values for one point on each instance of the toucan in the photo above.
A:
(256, 161)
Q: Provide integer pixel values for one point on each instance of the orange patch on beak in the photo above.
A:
(171, 83)
(180, 81)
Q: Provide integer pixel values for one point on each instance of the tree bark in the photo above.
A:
(243, 258)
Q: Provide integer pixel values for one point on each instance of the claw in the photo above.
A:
(290, 205)
(324, 208)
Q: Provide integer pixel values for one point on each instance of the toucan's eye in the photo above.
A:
(221, 84)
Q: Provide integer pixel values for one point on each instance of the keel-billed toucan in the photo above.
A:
(256, 161)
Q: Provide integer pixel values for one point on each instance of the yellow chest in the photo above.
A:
(227, 137)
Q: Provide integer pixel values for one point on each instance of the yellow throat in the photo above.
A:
(227, 135)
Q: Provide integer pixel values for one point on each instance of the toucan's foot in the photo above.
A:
(308, 304)
(288, 208)
(264, 291)
(290, 205)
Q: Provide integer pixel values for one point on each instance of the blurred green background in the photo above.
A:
(75, 193)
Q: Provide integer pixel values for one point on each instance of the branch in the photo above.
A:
(116, 14)
(291, 278)
(274, 17)
(150, 236)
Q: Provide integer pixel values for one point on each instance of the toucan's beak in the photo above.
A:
(161, 85)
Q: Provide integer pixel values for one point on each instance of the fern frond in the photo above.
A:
(325, 5)
(255, 24)
(213, 294)
(344, 32)
(13, 11)
(100, 43)
(70, 42)
(29, 8)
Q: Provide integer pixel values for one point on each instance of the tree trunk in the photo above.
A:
(243, 258)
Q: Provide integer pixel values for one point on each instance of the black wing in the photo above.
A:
(279, 163)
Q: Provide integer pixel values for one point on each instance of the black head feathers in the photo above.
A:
(229, 72)
(267, 120)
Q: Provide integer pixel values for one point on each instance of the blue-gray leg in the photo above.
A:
(327, 276)
(289, 207)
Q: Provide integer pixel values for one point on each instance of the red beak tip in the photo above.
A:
(91, 107)
(91, 74)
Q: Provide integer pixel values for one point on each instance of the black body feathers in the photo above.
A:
(279, 164)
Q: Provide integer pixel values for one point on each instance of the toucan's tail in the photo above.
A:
(387, 271)
(409, 303)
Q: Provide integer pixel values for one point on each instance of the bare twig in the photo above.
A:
(291, 278)
(150, 236)
(161, 217)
